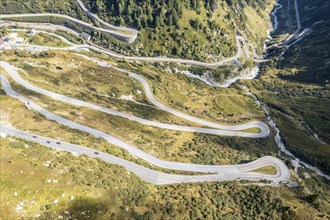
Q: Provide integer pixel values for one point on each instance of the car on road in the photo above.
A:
(58, 142)
(34, 136)
(48, 142)
(96, 152)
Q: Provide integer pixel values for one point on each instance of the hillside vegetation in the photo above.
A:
(201, 30)
(296, 86)
(39, 182)
(85, 80)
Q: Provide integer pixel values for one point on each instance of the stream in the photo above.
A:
(296, 162)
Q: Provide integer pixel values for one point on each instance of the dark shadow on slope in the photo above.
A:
(311, 57)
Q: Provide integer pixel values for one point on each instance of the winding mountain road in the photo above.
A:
(106, 25)
(92, 46)
(129, 35)
(228, 130)
(156, 177)
(184, 61)
(220, 172)
(126, 34)
(223, 169)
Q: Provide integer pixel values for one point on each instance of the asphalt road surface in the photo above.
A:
(223, 172)
(106, 25)
(132, 58)
(156, 177)
(217, 129)
(130, 36)
(130, 148)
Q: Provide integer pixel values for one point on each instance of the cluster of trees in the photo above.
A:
(140, 13)
(69, 7)
(253, 3)
(150, 13)
(204, 149)
(216, 201)
(120, 195)
(159, 21)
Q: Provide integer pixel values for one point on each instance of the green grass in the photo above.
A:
(163, 143)
(47, 40)
(225, 106)
(252, 130)
(105, 191)
(85, 80)
(150, 139)
(289, 100)
(266, 170)
(25, 179)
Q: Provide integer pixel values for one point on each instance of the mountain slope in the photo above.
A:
(200, 30)
(295, 85)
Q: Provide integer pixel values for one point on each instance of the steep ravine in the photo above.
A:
(296, 37)
(296, 162)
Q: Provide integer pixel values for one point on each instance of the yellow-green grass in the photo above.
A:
(271, 170)
(150, 139)
(225, 106)
(162, 143)
(289, 100)
(85, 80)
(85, 188)
(64, 185)
(44, 39)
(15, 113)
(104, 191)
(252, 130)
(258, 23)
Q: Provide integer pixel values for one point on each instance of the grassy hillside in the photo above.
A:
(70, 7)
(81, 186)
(84, 80)
(39, 182)
(296, 86)
(201, 30)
